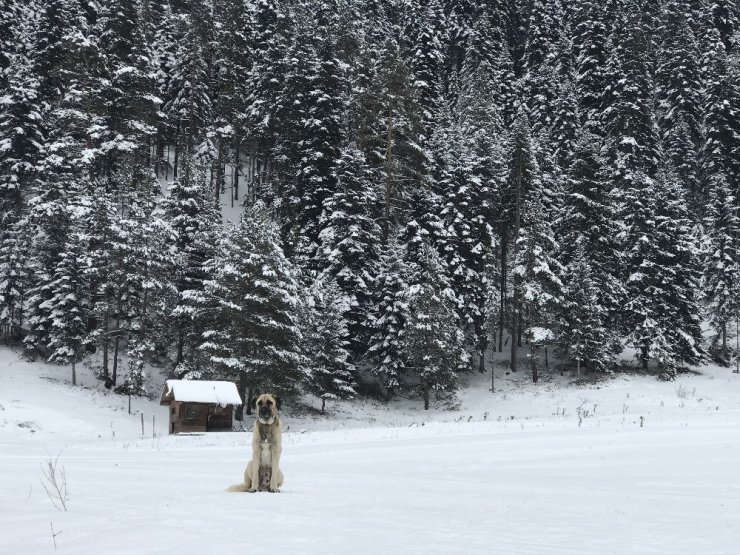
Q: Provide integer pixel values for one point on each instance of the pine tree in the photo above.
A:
(21, 139)
(662, 311)
(585, 333)
(589, 220)
(194, 223)
(537, 272)
(325, 340)
(679, 99)
(132, 107)
(386, 348)
(590, 50)
(16, 276)
(350, 238)
(320, 136)
(628, 112)
(723, 261)
(69, 303)
(255, 291)
(432, 338)
(721, 137)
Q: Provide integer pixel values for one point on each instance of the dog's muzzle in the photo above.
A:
(265, 413)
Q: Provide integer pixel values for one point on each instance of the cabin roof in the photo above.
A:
(200, 391)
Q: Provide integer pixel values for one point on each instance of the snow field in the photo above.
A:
(375, 478)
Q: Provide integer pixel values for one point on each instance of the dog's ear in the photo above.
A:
(277, 402)
(254, 402)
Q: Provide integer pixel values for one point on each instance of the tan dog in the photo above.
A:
(263, 470)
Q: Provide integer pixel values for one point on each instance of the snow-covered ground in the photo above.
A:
(626, 466)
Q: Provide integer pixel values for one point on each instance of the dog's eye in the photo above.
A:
(269, 403)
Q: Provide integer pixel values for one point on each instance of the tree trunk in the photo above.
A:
(533, 361)
(323, 405)
(515, 324)
(644, 357)
(388, 174)
(502, 301)
(74, 373)
(235, 176)
(425, 393)
(116, 342)
(106, 343)
(250, 394)
(242, 389)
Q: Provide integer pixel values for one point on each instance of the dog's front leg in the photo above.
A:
(254, 465)
(275, 466)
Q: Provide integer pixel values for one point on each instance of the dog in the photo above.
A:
(263, 470)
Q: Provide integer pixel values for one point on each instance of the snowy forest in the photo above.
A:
(369, 197)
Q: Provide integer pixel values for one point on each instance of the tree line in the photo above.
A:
(419, 183)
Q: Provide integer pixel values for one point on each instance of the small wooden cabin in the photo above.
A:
(200, 406)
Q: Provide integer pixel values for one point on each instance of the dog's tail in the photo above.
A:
(241, 488)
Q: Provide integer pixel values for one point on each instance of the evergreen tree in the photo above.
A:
(325, 340)
(585, 332)
(432, 338)
(255, 291)
(662, 312)
(349, 241)
(590, 50)
(16, 276)
(723, 261)
(69, 303)
(537, 272)
(386, 346)
(628, 113)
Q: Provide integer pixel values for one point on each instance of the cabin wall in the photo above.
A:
(199, 417)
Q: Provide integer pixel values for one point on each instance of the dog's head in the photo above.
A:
(266, 406)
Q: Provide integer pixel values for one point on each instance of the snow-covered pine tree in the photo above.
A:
(16, 276)
(195, 224)
(132, 106)
(350, 237)
(330, 375)
(101, 276)
(255, 291)
(628, 112)
(21, 138)
(721, 125)
(662, 313)
(189, 107)
(585, 333)
(679, 111)
(323, 85)
(591, 54)
(488, 61)
(722, 265)
(589, 219)
(540, 61)
(433, 341)
(524, 177)
(266, 103)
(233, 59)
(8, 19)
(70, 295)
(391, 310)
(151, 293)
(537, 276)
(391, 133)
(485, 141)
(427, 60)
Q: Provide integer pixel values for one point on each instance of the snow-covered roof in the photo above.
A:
(200, 391)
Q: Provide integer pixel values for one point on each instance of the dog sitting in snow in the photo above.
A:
(263, 470)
